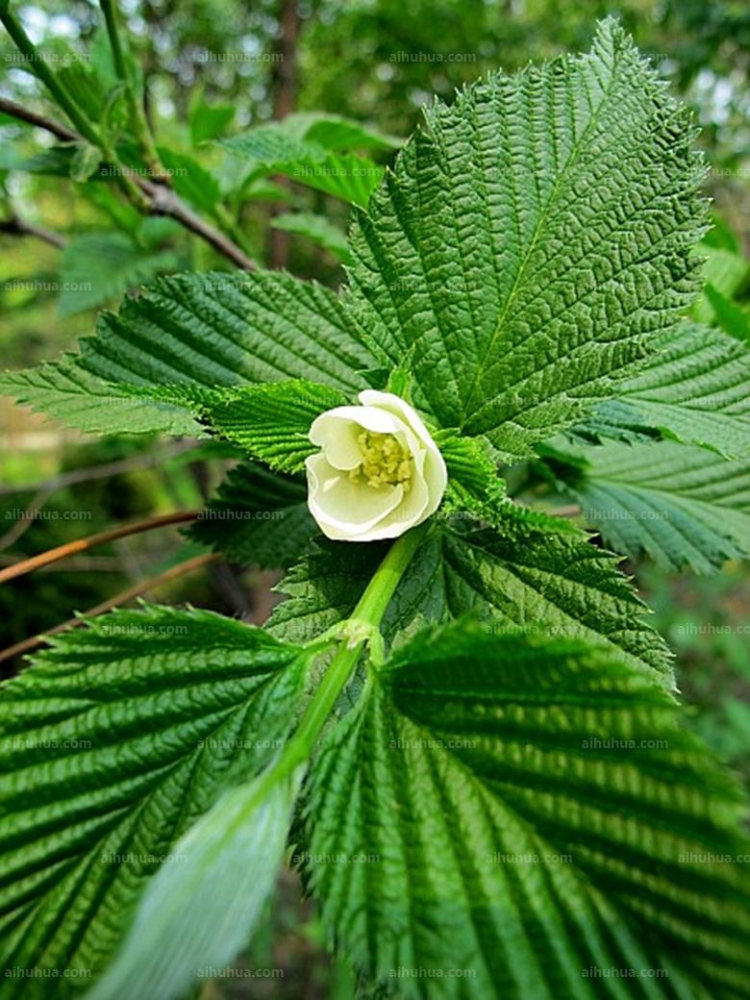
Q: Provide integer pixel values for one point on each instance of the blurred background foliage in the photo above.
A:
(213, 73)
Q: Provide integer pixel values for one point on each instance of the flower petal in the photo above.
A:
(344, 510)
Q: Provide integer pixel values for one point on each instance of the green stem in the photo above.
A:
(138, 120)
(27, 48)
(367, 615)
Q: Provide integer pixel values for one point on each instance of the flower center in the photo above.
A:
(385, 461)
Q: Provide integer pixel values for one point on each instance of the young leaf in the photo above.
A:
(121, 735)
(532, 238)
(258, 517)
(199, 915)
(512, 813)
(203, 330)
(682, 505)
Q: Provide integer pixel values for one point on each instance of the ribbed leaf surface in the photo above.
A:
(511, 817)
(682, 505)
(113, 744)
(530, 580)
(203, 330)
(531, 238)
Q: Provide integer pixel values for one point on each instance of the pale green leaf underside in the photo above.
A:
(682, 505)
(522, 578)
(200, 330)
(200, 914)
(175, 706)
(531, 238)
(473, 755)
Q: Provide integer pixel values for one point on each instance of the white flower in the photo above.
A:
(379, 472)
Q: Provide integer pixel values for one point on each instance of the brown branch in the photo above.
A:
(162, 200)
(83, 544)
(14, 110)
(125, 595)
(19, 227)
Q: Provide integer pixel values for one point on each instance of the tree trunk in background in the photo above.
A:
(284, 85)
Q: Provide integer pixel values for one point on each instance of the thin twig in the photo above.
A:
(162, 200)
(83, 544)
(19, 227)
(123, 597)
(572, 510)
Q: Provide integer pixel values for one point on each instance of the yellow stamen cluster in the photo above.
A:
(385, 462)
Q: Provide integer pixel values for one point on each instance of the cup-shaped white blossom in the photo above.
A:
(379, 472)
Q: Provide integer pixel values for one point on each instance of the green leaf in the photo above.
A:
(347, 176)
(532, 239)
(522, 576)
(694, 390)
(682, 505)
(169, 708)
(271, 422)
(201, 330)
(335, 132)
(208, 121)
(316, 228)
(99, 267)
(191, 181)
(730, 316)
(515, 815)
(257, 517)
(67, 391)
(200, 914)
(726, 270)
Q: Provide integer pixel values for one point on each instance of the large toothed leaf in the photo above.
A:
(694, 390)
(258, 517)
(113, 744)
(682, 505)
(520, 576)
(202, 331)
(531, 239)
(513, 814)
